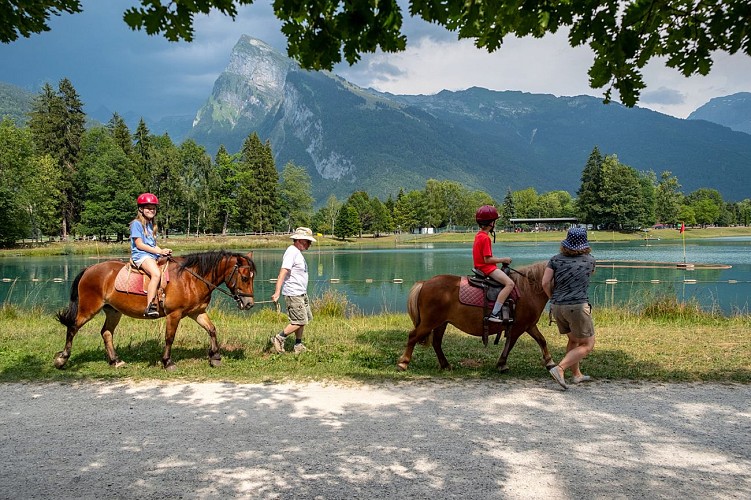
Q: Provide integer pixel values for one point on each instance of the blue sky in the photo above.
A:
(112, 66)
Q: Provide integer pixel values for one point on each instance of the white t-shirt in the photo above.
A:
(296, 282)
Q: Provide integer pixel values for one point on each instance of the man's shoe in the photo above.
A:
(151, 311)
(300, 348)
(495, 318)
(277, 343)
(557, 375)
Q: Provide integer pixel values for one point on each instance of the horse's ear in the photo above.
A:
(250, 255)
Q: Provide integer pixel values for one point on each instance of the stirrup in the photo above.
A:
(152, 311)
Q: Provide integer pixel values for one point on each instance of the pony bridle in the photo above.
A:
(231, 282)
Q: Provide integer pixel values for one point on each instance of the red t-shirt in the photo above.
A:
(482, 248)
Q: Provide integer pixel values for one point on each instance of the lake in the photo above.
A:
(378, 279)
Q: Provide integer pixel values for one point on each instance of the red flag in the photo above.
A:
(683, 227)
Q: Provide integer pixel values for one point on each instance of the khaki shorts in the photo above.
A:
(298, 309)
(575, 319)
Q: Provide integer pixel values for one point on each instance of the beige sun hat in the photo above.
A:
(303, 233)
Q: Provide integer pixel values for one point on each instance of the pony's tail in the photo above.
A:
(68, 315)
(412, 309)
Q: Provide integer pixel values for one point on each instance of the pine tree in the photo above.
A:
(589, 196)
(57, 125)
(119, 131)
(142, 152)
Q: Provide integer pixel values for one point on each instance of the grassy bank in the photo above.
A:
(187, 244)
(666, 343)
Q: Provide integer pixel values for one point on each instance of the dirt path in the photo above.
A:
(511, 439)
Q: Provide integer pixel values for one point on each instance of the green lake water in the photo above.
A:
(378, 279)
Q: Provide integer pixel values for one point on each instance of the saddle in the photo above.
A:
(130, 279)
(481, 290)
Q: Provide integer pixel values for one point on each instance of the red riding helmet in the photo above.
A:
(147, 199)
(486, 214)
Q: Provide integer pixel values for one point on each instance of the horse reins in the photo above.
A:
(230, 281)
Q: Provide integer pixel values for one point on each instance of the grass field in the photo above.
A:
(667, 342)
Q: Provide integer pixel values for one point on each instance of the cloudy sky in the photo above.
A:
(124, 71)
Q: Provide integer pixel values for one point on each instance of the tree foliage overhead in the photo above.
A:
(624, 34)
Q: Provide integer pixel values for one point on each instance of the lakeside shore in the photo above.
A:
(185, 244)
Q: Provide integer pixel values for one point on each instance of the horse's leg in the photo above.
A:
(511, 337)
(437, 340)
(76, 315)
(417, 334)
(536, 334)
(108, 331)
(169, 337)
(215, 357)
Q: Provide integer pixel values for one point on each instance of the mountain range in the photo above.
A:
(350, 138)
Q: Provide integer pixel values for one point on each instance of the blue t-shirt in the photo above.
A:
(147, 236)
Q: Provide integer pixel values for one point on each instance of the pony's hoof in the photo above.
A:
(60, 360)
(503, 369)
(170, 367)
(402, 367)
(215, 362)
(118, 363)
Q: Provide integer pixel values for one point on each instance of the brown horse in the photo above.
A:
(193, 278)
(434, 303)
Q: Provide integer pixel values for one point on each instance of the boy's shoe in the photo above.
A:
(277, 343)
(151, 311)
(495, 318)
(557, 375)
(300, 348)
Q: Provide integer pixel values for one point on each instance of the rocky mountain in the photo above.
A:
(732, 111)
(352, 138)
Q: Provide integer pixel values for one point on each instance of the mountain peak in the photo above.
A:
(250, 87)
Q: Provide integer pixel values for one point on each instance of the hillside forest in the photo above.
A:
(59, 178)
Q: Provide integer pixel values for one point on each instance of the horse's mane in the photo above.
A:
(204, 263)
(533, 280)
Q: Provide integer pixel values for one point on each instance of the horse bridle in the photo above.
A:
(230, 281)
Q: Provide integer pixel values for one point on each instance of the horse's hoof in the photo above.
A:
(447, 368)
(118, 363)
(170, 367)
(549, 365)
(215, 362)
(402, 367)
(503, 369)
(60, 361)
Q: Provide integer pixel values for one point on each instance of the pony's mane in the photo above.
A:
(204, 263)
(533, 280)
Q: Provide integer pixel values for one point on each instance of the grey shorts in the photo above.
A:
(298, 309)
(575, 319)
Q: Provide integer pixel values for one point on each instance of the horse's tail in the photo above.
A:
(412, 309)
(68, 315)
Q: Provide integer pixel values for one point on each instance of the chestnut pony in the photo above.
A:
(434, 303)
(193, 278)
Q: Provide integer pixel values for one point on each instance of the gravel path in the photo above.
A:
(471, 439)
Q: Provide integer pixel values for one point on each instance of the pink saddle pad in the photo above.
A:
(130, 281)
(473, 296)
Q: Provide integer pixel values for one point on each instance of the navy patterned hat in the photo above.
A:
(576, 239)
